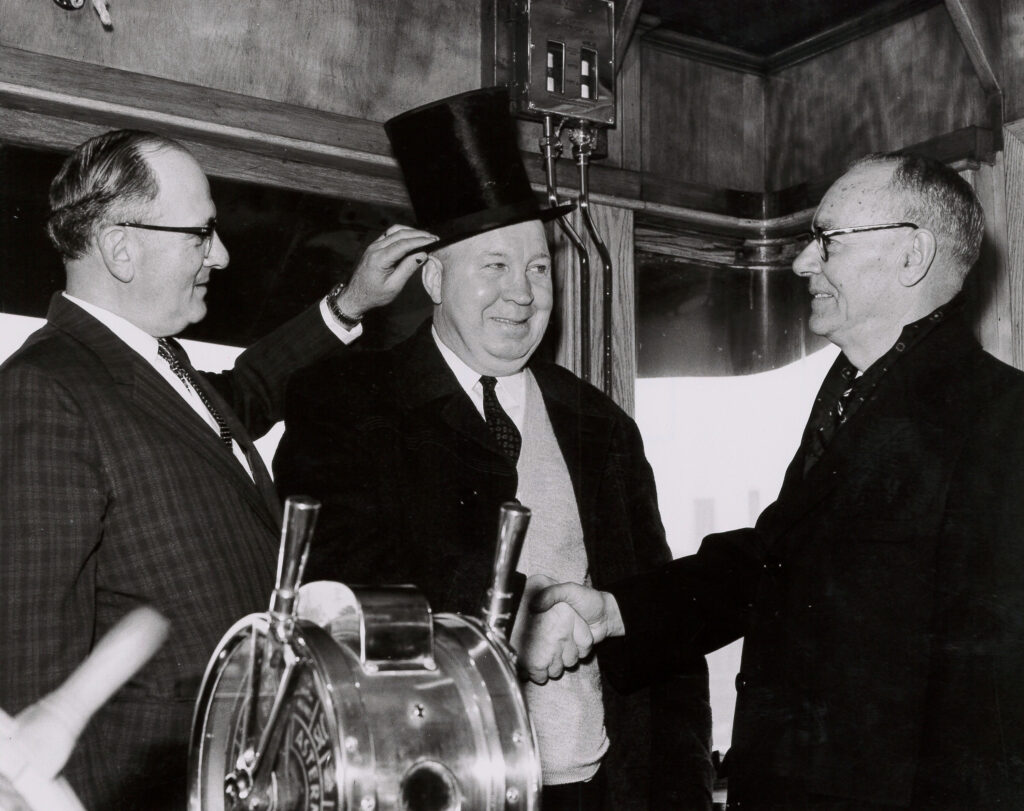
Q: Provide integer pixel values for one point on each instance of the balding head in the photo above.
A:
(104, 180)
(929, 193)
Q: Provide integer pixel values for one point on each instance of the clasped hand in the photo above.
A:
(561, 625)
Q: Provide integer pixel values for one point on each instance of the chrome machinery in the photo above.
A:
(361, 698)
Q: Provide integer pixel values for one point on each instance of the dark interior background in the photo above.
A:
(287, 250)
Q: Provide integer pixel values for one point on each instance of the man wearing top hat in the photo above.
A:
(412, 450)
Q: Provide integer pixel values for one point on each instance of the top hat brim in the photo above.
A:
(492, 219)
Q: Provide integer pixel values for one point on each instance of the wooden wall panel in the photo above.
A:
(899, 86)
(356, 57)
(701, 123)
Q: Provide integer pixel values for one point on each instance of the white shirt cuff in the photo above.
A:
(346, 336)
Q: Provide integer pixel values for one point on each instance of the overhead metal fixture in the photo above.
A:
(563, 74)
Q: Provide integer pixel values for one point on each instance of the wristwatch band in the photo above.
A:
(346, 321)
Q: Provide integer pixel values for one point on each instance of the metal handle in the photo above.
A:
(300, 514)
(513, 520)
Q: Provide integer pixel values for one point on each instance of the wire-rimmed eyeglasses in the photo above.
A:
(204, 232)
(822, 236)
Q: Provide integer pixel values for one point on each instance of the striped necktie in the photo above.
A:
(502, 428)
(171, 351)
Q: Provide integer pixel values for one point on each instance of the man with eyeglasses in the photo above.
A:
(126, 477)
(881, 597)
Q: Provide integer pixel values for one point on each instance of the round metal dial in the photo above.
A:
(270, 748)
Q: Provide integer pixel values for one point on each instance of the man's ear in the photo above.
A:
(112, 242)
(432, 273)
(917, 260)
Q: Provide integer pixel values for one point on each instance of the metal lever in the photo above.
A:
(300, 514)
(513, 520)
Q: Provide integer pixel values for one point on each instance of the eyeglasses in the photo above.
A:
(822, 236)
(204, 232)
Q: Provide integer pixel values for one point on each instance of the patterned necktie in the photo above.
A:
(826, 426)
(176, 358)
(500, 423)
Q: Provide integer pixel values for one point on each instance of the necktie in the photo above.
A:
(502, 428)
(176, 358)
(826, 426)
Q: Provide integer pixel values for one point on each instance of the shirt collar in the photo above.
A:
(513, 385)
(913, 332)
(139, 340)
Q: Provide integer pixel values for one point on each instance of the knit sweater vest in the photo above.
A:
(567, 713)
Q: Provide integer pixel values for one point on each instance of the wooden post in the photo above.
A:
(1013, 157)
(988, 286)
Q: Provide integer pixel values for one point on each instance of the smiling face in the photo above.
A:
(492, 296)
(168, 286)
(857, 300)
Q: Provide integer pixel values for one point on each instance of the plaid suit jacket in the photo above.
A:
(114, 493)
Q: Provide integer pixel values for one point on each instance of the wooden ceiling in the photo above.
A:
(771, 33)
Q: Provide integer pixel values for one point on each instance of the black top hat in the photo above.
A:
(462, 166)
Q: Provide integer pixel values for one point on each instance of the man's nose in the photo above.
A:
(218, 256)
(808, 261)
(518, 288)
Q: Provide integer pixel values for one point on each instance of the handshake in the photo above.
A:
(559, 624)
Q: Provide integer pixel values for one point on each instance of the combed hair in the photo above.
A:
(105, 180)
(937, 198)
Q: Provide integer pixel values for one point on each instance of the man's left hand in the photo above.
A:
(383, 270)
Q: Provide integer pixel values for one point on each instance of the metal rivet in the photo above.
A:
(351, 744)
(512, 795)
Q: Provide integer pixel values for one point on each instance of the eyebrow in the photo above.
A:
(505, 255)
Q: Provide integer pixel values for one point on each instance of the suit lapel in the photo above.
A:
(260, 475)
(152, 394)
(424, 380)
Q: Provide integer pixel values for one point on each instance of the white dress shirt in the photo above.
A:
(511, 389)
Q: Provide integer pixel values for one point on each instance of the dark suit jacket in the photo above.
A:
(881, 597)
(114, 493)
(411, 482)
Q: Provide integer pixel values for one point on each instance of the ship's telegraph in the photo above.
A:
(361, 699)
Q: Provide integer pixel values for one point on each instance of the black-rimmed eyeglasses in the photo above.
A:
(204, 232)
(822, 236)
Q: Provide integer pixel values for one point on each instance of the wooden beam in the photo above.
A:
(885, 14)
(980, 30)
(36, 130)
(627, 12)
